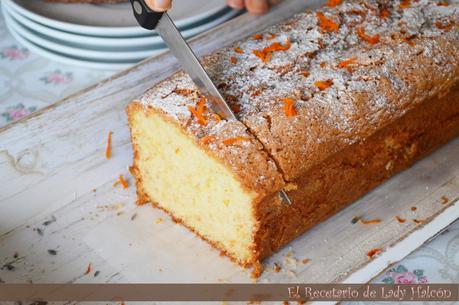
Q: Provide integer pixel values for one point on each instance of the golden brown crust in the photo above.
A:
(344, 177)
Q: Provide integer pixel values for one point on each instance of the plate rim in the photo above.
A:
(69, 61)
(92, 41)
(100, 30)
(95, 55)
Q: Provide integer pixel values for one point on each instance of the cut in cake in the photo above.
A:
(331, 103)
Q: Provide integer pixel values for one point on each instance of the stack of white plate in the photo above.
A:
(104, 36)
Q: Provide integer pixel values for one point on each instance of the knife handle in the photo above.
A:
(146, 17)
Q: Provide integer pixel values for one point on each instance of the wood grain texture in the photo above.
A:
(51, 162)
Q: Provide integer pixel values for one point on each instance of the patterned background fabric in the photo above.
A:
(29, 82)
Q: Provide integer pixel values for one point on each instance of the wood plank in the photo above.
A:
(51, 162)
(60, 148)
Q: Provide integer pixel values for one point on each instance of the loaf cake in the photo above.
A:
(330, 103)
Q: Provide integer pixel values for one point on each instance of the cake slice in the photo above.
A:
(330, 103)
(210, 180)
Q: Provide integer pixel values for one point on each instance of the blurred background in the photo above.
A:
(51, 50)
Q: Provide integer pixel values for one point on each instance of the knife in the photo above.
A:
(165, 27)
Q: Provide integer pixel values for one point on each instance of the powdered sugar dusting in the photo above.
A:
(373, 90)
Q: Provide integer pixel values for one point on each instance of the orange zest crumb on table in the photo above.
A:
(443, 3)
(122, 181)
(233, 60)
(327, 24)
(108, 149)
(370, 222)
(198, 112)
(231, 141)
(373, 252)
(289, 107)
(400, 219)
(88, 269)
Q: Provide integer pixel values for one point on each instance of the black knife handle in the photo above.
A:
(146, 17)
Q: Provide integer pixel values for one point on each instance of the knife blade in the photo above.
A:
(165, 27)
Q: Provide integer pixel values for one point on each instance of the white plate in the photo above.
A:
(106, 66)
(102, 55)
(108, 20)
(104, 43)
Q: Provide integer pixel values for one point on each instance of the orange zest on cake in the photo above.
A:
(258, 36)
(405, 3)
(333, 3)
(271, 36)
(266, 54)
(327, 24)
(289, 107)
(444, 26)
(207, 139)
(370, 39)
(198, 112)
(384, 13)
(347, 63)
(323, 84)
(231, 141)
(238, 50)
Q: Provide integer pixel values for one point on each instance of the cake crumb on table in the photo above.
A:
(444, 199)
(277, 268)
(159, 221)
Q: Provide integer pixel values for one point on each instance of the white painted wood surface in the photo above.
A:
(50, 164)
